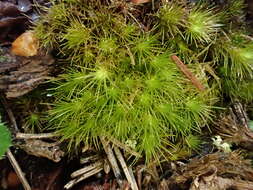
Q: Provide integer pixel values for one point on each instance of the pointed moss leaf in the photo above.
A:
(153, 84)
(5, 138)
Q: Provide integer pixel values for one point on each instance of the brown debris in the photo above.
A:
(233, 127)
(19, 75)
(209, 180)
(214, 172)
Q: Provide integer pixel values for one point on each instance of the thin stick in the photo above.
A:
(86, 169)
(35, 136)
(88, 159)
(125, 169)
(188, 73)
(112, 160)
(124, 147)
(18, 170)
(83, 177)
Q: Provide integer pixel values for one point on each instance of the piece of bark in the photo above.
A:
(41, 148)
(224, 165)
(19, 75)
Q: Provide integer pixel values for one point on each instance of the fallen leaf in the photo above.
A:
(25, 45)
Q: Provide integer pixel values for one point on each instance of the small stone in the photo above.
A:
(25, 45)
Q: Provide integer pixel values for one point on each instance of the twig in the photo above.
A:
(83, 177)
(35, 136)
(86, 169)
(124, 147)
(18, 170)
(188, 73)
(88, 159)
(130, 179)
(112, 160)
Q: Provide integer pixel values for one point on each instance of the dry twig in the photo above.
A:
(18, 170)
(129, 177)
(188, 73)
(112, 160)
(35, 136)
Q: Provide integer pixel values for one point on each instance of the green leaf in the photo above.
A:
(5, 139)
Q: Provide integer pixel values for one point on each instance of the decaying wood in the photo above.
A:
(214, 170)
(188, 73)
(19, 75)
(209, 180)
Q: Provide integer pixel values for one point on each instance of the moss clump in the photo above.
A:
(122, 82)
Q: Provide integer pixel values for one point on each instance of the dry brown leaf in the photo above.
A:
(25, 45)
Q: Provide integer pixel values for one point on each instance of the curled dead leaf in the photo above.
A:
(25, 45)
